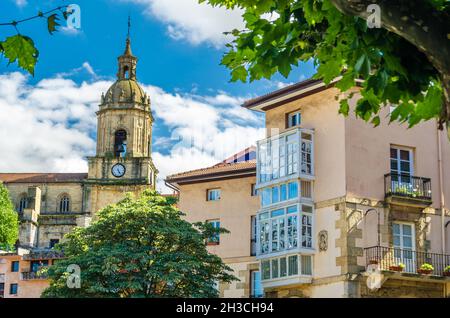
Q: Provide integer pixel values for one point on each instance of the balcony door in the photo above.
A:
(401, 169)
(404, 245)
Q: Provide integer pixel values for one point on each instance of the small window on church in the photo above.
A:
(120, 143)
(126, 72)
(64, 204)
(23, 203)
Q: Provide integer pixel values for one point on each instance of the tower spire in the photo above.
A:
(129, 26)
(127, 61)
(128, 43)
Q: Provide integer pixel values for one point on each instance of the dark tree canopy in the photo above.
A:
(405, 62)
(140, 248)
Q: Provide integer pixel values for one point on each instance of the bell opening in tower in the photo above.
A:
(120, 143)
(126, 72)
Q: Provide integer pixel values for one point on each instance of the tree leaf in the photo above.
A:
(376, 121)
(21, 48)
(239, 74)
(344, 107)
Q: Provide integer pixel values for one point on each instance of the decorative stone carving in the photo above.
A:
(122, 97)
(323, 241)
(110, 97)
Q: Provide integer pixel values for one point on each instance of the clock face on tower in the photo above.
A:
(118, 170)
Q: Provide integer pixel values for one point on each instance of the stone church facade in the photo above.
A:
(51, 204)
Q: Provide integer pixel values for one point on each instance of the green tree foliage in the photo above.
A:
(140, 248)
(405, 62)
(20, 48)
(9, 224)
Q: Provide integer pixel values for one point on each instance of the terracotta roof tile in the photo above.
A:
(222, 168)
(42, 177)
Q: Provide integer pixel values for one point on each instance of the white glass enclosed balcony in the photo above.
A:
(286, 156)
(286, 270)
(285, 222)
(284, 230)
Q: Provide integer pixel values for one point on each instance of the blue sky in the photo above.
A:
(179, 44)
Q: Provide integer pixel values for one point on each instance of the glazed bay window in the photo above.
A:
(285, 156)
(286, 267)
(285, 229)
(286, 192)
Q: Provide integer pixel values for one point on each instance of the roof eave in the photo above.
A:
(287, 94)
(211, 176)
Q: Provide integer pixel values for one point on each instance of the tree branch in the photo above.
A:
(420, 24)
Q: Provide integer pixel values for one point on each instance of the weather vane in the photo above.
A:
(129, 25)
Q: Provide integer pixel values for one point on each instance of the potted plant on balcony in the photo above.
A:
(425, 269)
(397, 268)
(373, 262)
(447, 271)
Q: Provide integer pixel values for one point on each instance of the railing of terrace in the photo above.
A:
(407, 186)
(389, 258)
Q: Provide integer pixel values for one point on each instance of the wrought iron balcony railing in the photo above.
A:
(34, 276)
(389, 259)
(407, 186)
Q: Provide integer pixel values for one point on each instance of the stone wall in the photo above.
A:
(51, 193)
(400, 288)
(241, 288)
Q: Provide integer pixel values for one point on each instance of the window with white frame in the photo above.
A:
(279, 157)
(213, 195)
(306, 154)
(294, 119)
(404, 244)
(280, 229)
(307, 218)
(292, 154)
(286, 266)
(401, 164)
(285, 192)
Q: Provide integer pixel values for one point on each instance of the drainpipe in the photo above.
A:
(441, 189)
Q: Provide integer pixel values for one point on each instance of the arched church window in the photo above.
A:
(23, 203)
(64, 204)
(120, 143)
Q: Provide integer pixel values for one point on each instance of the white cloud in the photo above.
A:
(48, 127)
(86, 67)
(204, 129)
(191, 21)
(280, 85)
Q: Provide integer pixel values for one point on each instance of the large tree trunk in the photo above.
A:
(417, 22)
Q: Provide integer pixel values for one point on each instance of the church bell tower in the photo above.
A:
(123, 161)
